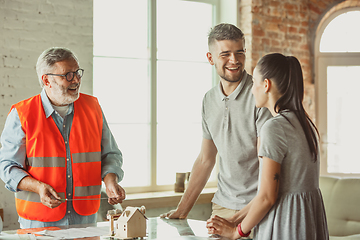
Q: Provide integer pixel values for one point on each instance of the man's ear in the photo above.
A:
(45, 80)
(210, 58)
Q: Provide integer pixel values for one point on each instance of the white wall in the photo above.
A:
(27, 28)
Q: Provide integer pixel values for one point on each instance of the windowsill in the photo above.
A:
(163, 199)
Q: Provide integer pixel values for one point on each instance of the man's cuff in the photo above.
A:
(17, 175)
(119, 174)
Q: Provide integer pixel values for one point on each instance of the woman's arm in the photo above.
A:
(240, 215)
(267, 196)
(255, 211)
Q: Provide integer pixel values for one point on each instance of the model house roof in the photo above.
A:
(128, 213)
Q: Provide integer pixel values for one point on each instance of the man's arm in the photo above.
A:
(48, 195)
(12, 163)
(12, 152)
(199, 176)
(114, 191)
(111, 163)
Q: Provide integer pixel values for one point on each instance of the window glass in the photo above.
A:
(124, 85)
(182, 29)
(343, 83)
(121, 81)
(133, 141)
(181, 83)
(338, 36)
(121, 28)
(181, 87)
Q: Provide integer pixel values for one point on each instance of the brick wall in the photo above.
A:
(288, 27)
(245, 24)
(26, 29)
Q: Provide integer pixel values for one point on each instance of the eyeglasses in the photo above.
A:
(70, 75)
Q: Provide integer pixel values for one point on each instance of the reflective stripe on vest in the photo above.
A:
(33, 197)
(86, 157)
(79, 192)
(46, 157)
(46, 161)
(87, 191)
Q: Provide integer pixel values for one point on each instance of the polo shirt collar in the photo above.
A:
(48, 108)
(237, 91)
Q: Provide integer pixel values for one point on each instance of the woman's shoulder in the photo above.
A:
(274, 122)
(272, 129)
(279, 124)
(281, 119)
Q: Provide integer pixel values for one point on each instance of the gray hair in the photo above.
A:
(46, 61)
(225, 31)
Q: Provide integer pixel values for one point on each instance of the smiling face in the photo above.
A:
(228, 56)
(58, 89)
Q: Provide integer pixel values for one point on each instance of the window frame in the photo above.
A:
(322, 61)
(153, 187)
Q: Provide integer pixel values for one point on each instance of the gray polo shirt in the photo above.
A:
(233, 122)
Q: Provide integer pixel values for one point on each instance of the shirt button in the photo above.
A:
(68, 159)
(65, 142)
(69, 212)
(63, 125)
(69, 194)
(69, 176)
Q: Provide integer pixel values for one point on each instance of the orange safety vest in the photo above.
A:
(46, 157)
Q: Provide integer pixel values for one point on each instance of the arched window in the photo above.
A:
(340, 36)
(337, 64)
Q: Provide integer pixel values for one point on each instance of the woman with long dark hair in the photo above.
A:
(289, 203)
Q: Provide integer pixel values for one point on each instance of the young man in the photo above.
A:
(231, 124)
(56, 146)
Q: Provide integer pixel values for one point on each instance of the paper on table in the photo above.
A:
(23, 237)
(8, 236)
(33, 230)
(72, 233)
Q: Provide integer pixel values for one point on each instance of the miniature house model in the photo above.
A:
(112, 215)
(131, 223)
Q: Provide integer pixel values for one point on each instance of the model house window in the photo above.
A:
(338, 81)
(150, 75)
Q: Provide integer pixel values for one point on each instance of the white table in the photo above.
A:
(157, 228)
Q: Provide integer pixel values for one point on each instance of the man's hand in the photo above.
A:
(223, 227)
(48, 196)
(173, 214)
(114, 191)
